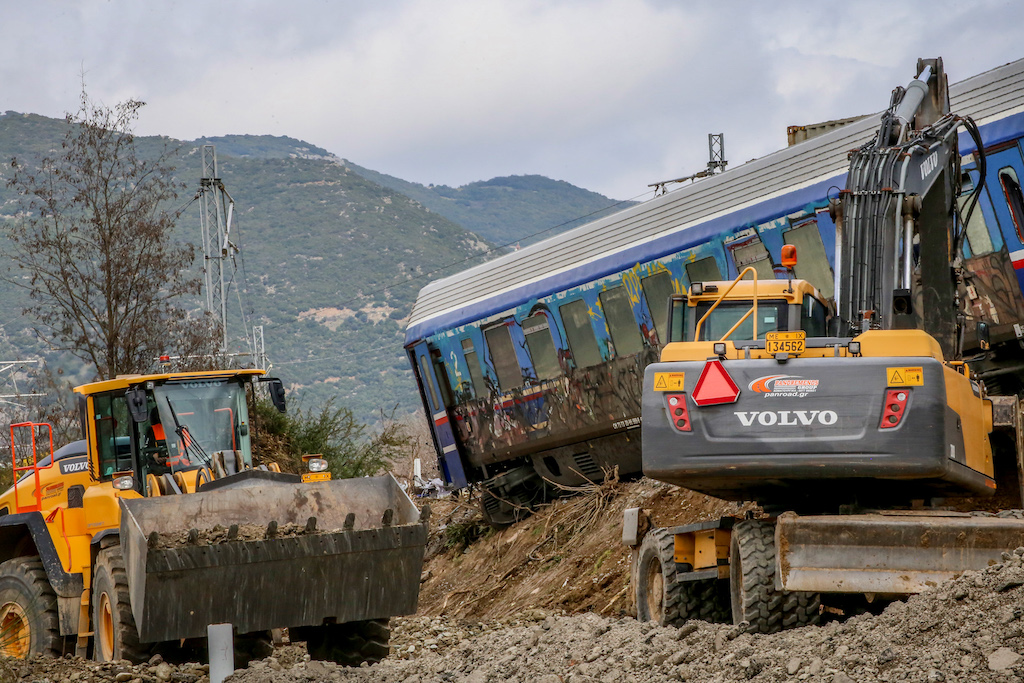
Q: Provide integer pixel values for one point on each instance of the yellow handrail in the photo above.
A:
(753, 309)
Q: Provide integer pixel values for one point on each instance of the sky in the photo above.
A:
(609, 95)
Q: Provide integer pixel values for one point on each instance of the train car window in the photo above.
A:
(542, 346)
(580, 334)
(812, 317)
(657, 289)
(1011, 188)
(703, 270)
(621, 323)
(978, 237)
(503, 357)
(425, 377)
(473, 366)
(753, 254)
(812, 263)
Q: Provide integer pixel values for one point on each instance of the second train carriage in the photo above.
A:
(530, 366)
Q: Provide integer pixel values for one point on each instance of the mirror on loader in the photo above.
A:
(136, 399)
(276, 392)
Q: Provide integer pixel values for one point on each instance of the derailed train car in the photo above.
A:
(530, 366)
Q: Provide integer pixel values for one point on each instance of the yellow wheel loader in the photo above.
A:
(161, 522)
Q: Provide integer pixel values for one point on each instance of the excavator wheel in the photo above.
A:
(755, 600)
(115, 635)
(660, 594)
(349, 644)
(28, 610)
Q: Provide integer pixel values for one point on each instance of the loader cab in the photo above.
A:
(164, 434)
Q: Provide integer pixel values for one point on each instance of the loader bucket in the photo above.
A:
(334, 574)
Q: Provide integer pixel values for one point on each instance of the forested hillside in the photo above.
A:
(508, 210)
(330, 260)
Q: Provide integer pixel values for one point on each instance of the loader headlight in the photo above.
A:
(123, 482)
(317, 465)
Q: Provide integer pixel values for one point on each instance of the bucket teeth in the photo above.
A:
(233, 532)
(153, 540)
(350, 521)
(386, 518)
(193, 536)
(311, 525)
(272, 529)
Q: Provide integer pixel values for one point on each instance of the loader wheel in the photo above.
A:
(350, 644)
(114, 633)
(660, 594)
(28, 610)
(755, 599)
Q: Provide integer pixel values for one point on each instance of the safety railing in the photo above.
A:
(721, 297)
(29, 448)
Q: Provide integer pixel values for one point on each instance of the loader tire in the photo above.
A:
(755, 600)
(114, 633)
(350, 644)
(28, 610)
(663, 597)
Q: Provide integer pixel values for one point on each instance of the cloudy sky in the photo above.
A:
(609, 95)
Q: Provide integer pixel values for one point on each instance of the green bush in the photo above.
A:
(331, 431)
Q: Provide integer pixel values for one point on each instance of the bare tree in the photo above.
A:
(94, 246)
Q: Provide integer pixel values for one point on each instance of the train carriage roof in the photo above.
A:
(777, 184)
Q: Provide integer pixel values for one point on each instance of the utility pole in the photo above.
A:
(215, 212)
(716, 164)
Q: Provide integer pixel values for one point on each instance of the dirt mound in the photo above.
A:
(568, 556)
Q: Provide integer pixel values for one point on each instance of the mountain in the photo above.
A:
(508, 210)
(331, 259)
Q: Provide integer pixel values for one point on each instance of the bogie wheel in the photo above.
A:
(350, 644)
(755, 599)
(114, 633)
(663, 597)
(28, 610)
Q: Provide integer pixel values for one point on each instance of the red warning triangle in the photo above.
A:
(715, 386)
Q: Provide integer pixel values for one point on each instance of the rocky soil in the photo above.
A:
(235, 532)
(513, 622)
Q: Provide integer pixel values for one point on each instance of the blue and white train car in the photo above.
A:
(530, 366)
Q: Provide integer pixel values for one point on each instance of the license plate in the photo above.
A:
(315, 476)
(785, 342)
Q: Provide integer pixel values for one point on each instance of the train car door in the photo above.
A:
(1004, 183)
(440, 424)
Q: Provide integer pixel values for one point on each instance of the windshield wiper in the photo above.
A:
(186, 439)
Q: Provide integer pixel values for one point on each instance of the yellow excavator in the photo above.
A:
(855, 423)
(161, 521)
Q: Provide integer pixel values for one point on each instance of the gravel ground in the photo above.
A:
(970, 629)
(967, 630)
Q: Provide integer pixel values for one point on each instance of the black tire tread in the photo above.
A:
(29, 571)
(757, 601)
(126, 634)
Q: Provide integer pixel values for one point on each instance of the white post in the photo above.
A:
(222, 651)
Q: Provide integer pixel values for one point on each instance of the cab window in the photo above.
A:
(771, 317)
(812, 317)
(112, 425)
